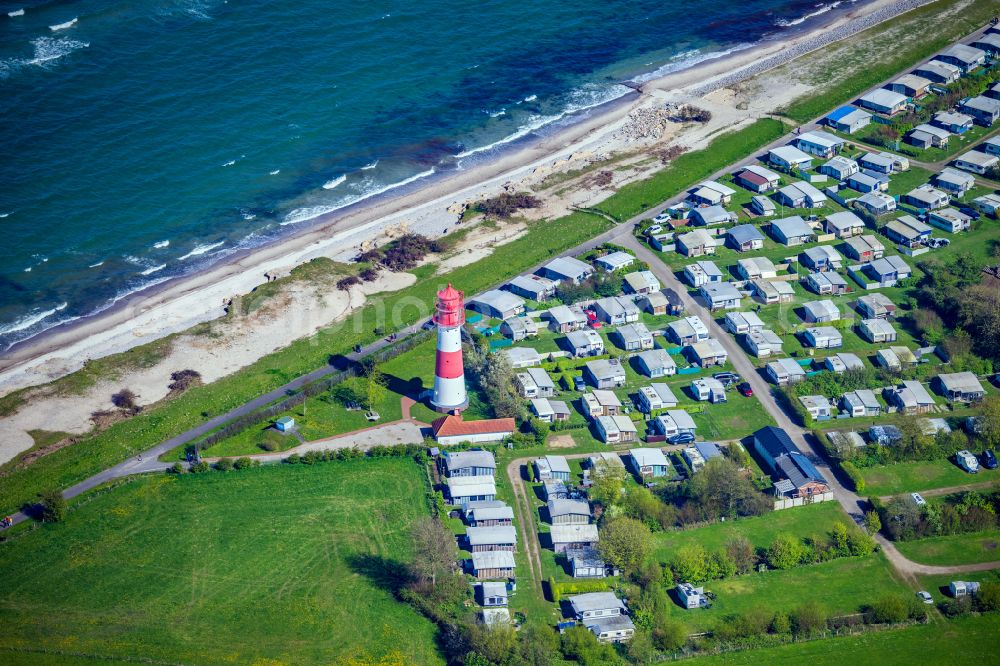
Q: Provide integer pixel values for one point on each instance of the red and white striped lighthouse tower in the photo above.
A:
(449, 373)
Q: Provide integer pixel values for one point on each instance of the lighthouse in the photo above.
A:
(449, 373)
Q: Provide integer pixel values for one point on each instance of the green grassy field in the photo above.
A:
(911, 477)
(283, 564)
(842, 586)
(804, 521)
(969, 640)
(954, 549)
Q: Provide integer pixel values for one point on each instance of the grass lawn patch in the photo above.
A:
(966, 640)
(953, 549)
(908, 477)
(842, 586)
(279, 564)
(804, 521)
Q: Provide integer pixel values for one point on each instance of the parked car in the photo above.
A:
(727, 378)
(655, 229)
(989, 459)
(745, 389)
(938, 242)
(918, 499)
(925, 597)
(681, 438)
(578, 383)
(662, 217)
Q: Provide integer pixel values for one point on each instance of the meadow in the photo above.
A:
(909, 477)
(279, 564)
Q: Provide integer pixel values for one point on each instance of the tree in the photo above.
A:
(580, 644)
(52, 506)
(539, 646)
(808, 619)
(496, 643)
(640, 648)
(690, 564)
(780, 624)
(433, 550)
(785, 552)
(872, 522)
(722, 490)
(989, 422)
(742, 553)
(988, 597)
(840, 537)
(375, 387)
(625, 543)
(609, 480)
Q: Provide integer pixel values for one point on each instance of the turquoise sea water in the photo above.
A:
(146, 139)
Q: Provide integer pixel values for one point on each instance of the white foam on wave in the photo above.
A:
(153, 269)
(63, 26)
(339, 180)
(202, 249)
(275, 172)
(31, 320)
(531, 98)
(369, 188)
(28, 269)
(369, 167)
(497, 114)
(99, 263)
(16, 12)
(247, 214)
(159, 245)
(688, 59)
(822, 9)
(229, 163)
(46, 50)
(582, 99)
(3, 215)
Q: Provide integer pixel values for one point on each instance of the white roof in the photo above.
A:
(648, 456)
(617, 259)
(844, 220)
(751, 319)
(573, 533)
(912, 81)
(878, 327)
(790, 154)
(709, 348)
(680, 418)
(792, 227)
(884, 98)
(979, 159)
(718, 187)
(823, 139)
(761, 171)
(468, 486)
(558, 463)
(786, 366)
(569, 267)
(491, 535)
(964, 53)
(595, 601)
(499, 300)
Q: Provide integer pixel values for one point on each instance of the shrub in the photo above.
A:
(199, 467)
(346, 283)
(183, 380)
(224, 465)
(127, 401)
(244, 462)
(785, 552)
(808, 619)
(890, 609)
(507, 204)
(854, 474)
(988, 598)
(176, 468)
(52, 506)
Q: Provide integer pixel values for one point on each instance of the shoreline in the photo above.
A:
(179, 303)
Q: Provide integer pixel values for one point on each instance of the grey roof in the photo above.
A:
(608, 623)
(492, 535)
(848, 360)
(522, 356)
(605, 368)
(501, 301)
(584, 338)
(745, 233)
(913, 393)
(966, 382)
(648, 456)
(459, 459)
(786, 366)
(662, 392)
(712, 214)
(493, 559)
(471, 486)
(865, 397)
(884, 98)
(592, 601)
(844, 220)
(656, 358)
(821, 309)
(558, 463)
(721, 291)
(791, 227)
(821, 252)
(964, 53)
(568, 507)
(574, 533)
(478, 513)
(791, 154)
(532, 283)
(569, 267)
(708, 450)
(540, 377)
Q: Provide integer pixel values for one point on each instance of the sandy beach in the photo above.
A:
(177, 305)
